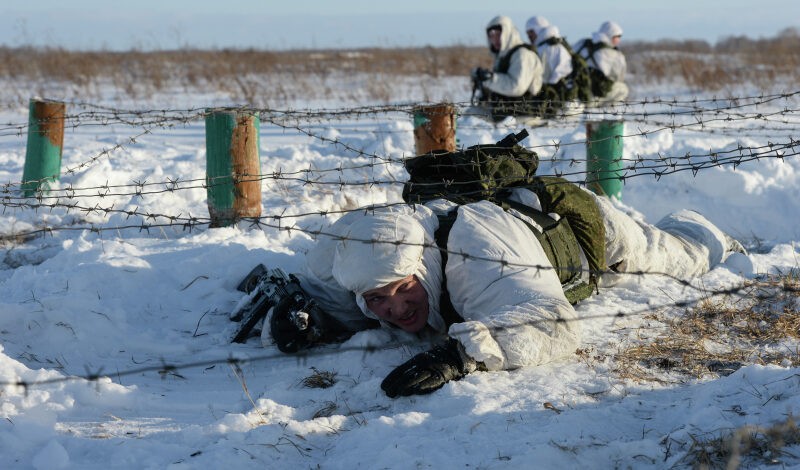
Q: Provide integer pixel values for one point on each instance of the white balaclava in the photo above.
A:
(610, 29)
(385, 247)
(536, 23)
(548, 32)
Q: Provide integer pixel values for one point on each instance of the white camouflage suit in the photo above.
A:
(525, 69)
(609, 60)
(508, 308)
(556, 58)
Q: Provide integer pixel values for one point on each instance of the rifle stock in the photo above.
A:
(266, 288)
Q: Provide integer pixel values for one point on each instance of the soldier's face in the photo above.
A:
(403, 303)
(494, 38)
(532, 36)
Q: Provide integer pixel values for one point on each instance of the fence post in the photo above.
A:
(604, 157)
(434, 128)
(45, 144)
(233, 167)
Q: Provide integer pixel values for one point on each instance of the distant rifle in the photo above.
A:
(478, 75)
(475, 86)
(265, 289)
(513, 139)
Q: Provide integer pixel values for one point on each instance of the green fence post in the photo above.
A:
(434, 128)
(233, 168)
(45, 144)
(604, 157)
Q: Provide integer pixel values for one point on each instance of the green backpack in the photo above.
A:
(579, 81)
(601, 84)
(581, 78)
(487, 172)
(473, 174)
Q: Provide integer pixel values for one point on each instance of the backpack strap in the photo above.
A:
(594, 47)
(550, 42)
(587, 43)
(505, 61)
(446, 309)
(558, 241)
(566, 45)
(556, 237)
(601, 84)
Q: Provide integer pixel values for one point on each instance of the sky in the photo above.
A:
(124, 303)
(152, 24)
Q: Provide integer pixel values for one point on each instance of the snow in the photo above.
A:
(123, 334)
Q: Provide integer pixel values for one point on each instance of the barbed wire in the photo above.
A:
(638, 166)
(658, 167)
(360, 152)
(327, 350)
(628, 168)
(189, 223)
(171, 117)
(107, 115)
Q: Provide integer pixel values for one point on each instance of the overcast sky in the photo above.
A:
(169, 24)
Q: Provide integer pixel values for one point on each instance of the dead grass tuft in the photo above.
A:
(319, 379)
(721, 335)
(326, 411)
(748, 446)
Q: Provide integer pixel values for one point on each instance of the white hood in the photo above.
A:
(536, 23)
(385, 247)
(509, 36)
(548, 32)
(610, 29)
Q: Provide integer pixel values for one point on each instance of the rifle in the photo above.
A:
(478, 75)
(265, 289)
(475, 86)
(513, 139)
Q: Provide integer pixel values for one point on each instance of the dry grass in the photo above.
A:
(722, 334)
(731, 62)
(319, 379)
(746, 447)
(374, 74)
(256, 77)
(326, 410)
(761, 325)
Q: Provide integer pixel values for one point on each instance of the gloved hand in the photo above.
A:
(480, 74)
(290, 333)
(429, 371)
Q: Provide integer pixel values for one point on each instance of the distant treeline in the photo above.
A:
(247, 73)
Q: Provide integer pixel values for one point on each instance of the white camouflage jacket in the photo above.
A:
(510, 308)
(555, 57)
(608, 60)
(525, 69)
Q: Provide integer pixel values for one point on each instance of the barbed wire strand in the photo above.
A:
(322, 350)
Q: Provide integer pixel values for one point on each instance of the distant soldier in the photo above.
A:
(557, 60)
(533, 26)
(606, 63)
(516, 76)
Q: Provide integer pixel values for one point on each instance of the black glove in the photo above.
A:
(429, 371)
(480, 74)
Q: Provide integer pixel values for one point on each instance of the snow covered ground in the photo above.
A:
(145, 311)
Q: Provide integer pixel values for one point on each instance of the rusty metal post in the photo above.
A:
(434, 128)
(45, 144)
(233, 167)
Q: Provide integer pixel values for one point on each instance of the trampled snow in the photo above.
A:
(142, 314)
